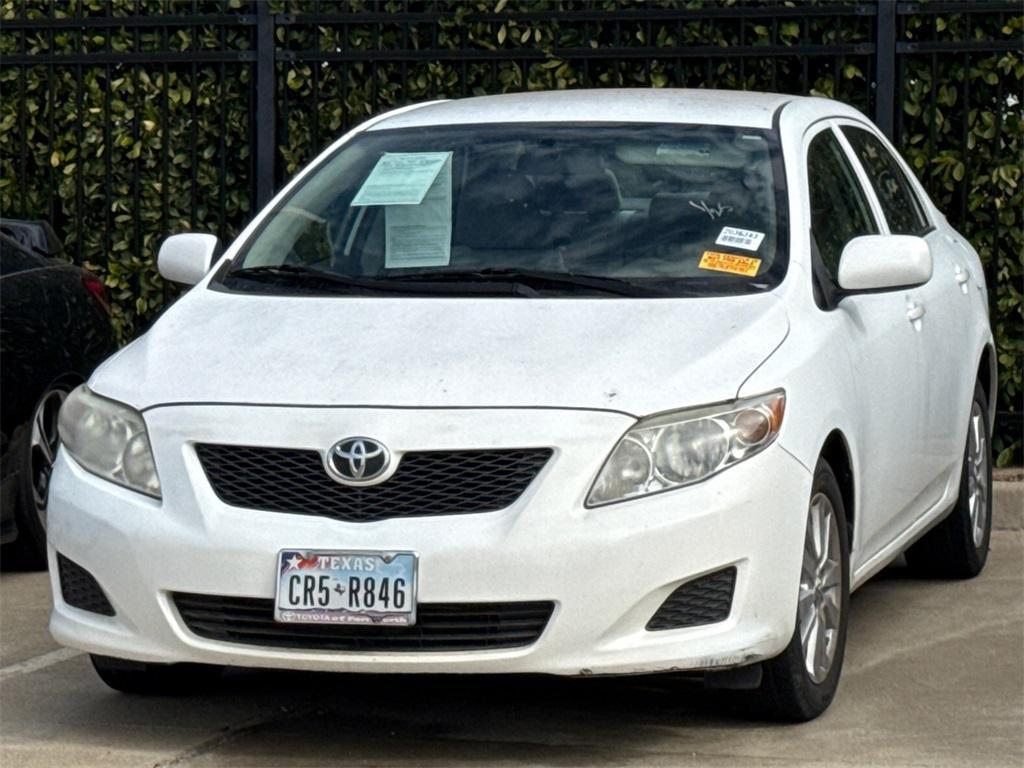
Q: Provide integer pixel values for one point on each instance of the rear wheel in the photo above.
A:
(154, 679)
(957, 548)
(800, 683)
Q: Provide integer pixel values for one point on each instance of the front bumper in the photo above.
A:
(607, 569)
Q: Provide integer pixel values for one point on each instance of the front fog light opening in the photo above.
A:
(680, 448)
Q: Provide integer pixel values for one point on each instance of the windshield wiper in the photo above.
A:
(533, 278)
(296, 273)
(299, 275)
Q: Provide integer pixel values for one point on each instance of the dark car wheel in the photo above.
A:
(154, 679)
(29, 549)
(957, 548)
(799, 684)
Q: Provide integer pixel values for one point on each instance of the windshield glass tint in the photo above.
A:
(682, 210)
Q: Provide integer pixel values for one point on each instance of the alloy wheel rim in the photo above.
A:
(43, 446)
(819, 609)
(977, 475)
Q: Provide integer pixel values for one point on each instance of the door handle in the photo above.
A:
(915, 312)
(962, 276)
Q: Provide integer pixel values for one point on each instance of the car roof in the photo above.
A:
(748, 109)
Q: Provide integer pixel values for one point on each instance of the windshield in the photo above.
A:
(558, 209)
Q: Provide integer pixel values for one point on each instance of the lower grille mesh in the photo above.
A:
(704, 600)
(80, 589)
(439, 626)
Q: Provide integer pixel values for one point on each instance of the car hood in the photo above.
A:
(637, 356)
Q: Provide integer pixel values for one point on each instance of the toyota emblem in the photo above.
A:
(357, 460)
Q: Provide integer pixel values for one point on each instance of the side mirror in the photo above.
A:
(186, 258)
(880, 262)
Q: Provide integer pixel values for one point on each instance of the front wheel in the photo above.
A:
(154, 679)
(800, 683)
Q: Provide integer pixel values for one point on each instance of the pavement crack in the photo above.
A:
(895, 653)
(230, 733)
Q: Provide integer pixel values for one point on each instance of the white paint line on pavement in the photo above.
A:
(38, 662)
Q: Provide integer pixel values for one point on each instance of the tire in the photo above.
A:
(137, 677)
(790, 690)
(29, 549)
(957, 548)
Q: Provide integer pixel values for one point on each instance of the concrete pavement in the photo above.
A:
(934, 676)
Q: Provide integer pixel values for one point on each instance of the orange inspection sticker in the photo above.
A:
(730, 262)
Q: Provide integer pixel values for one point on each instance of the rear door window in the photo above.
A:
(903, 211)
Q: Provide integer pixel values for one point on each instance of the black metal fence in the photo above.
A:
(260, 44)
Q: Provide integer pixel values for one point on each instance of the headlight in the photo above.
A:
(109, 439)
(683, 447)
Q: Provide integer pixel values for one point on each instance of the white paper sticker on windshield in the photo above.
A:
(747, 239)
(401, 178)
(421, 235)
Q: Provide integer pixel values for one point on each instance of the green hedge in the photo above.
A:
(120, 156)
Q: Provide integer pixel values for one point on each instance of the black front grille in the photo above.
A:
(80, 589)
(704, 600)
(425, 483)
(439, 626)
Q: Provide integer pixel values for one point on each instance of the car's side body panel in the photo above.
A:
(924, 406)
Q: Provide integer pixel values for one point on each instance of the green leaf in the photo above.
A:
(1005, 457)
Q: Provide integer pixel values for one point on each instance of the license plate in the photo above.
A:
(318, 587)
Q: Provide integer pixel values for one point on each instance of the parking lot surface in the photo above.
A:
(934, 676)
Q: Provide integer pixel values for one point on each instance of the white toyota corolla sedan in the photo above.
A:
(580, 383)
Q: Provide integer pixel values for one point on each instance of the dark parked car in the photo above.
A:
(54, 329)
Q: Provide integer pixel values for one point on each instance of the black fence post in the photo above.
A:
(885, 66)
(265, 112)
